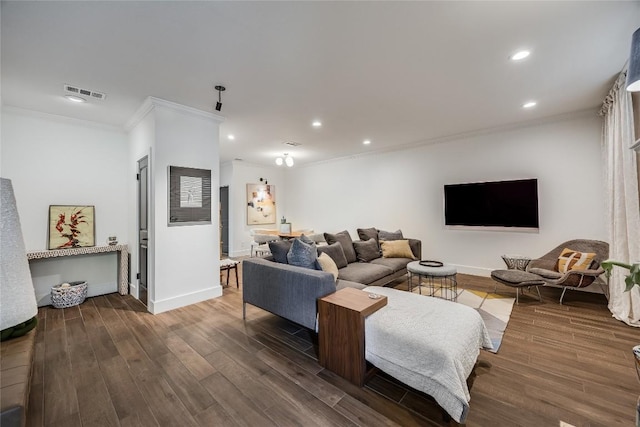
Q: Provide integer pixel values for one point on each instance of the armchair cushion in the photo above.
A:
(570, 259)
(547, 274)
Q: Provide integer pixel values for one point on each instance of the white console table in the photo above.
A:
(123, 259)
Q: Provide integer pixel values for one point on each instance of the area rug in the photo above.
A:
(494, 309)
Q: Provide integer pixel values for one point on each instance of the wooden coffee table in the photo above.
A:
(341, 332)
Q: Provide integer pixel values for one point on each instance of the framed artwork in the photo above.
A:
(189, 196)
(261, 204)
(71, 226)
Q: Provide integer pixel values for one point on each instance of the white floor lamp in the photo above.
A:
(18, 300)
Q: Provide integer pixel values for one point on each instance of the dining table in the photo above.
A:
(285, 236)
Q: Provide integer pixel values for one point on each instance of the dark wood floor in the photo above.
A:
(109, 362)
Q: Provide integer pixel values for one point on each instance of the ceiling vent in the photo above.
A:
(292, 143)
(84, 92)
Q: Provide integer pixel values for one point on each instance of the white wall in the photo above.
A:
(404, 189)
(185, 258)
(141, 139)
(54, 160)
(237, 175)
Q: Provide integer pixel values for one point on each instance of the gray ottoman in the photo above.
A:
(517, 279)
(444, 276)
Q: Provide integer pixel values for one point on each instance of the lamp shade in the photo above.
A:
(633, 72)
(17, 296)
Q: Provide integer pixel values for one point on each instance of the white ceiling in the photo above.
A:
(398, 73)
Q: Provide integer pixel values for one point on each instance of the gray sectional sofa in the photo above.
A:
(292, 291)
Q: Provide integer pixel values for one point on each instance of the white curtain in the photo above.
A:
(621, 199)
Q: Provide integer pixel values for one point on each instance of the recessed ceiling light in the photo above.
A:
(231, 137)
(529, 104)
(366, 142)
(520, 55)
(316, 123)
(74, 98)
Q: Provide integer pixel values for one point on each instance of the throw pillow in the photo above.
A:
(327, 264)
(396, 249)
(336, 253)
(365, 234)
(344, 238)
(303, 255)
(279, 250)
(390, 235)
(306, 239)
(367, 251)
(574, 260)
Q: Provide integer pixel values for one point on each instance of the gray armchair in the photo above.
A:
(545, 266)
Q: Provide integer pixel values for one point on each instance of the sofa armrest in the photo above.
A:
(416, 248)
(285, 290)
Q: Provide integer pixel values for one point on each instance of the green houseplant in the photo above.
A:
(632, 279)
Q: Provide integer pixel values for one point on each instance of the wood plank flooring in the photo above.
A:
(108, 362)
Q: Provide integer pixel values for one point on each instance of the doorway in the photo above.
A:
(143, 232)
(224, 220)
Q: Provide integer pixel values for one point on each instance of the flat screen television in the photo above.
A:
(492, 204)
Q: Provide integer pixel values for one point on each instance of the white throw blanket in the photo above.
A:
(427, 343)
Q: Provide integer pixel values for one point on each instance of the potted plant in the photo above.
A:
(632, 279)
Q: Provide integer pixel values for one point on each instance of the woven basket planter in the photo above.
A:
(68, 296)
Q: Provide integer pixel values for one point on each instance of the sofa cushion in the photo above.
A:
(365, 234)
(363, 272)
(396, 249)
(279, 250)
(367, 251)
(336, 253)
(344, 238)
(396, 264)
(574, 260)
(390, 235)
(303, 255)
(328, 264)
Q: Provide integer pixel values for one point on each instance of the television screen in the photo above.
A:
(492, 204)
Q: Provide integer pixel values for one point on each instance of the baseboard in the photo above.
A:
(133, 290)
(159, 306)
(476, 271)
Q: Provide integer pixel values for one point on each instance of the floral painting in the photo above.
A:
(71, 226)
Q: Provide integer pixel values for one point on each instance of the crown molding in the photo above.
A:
(151, 103)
